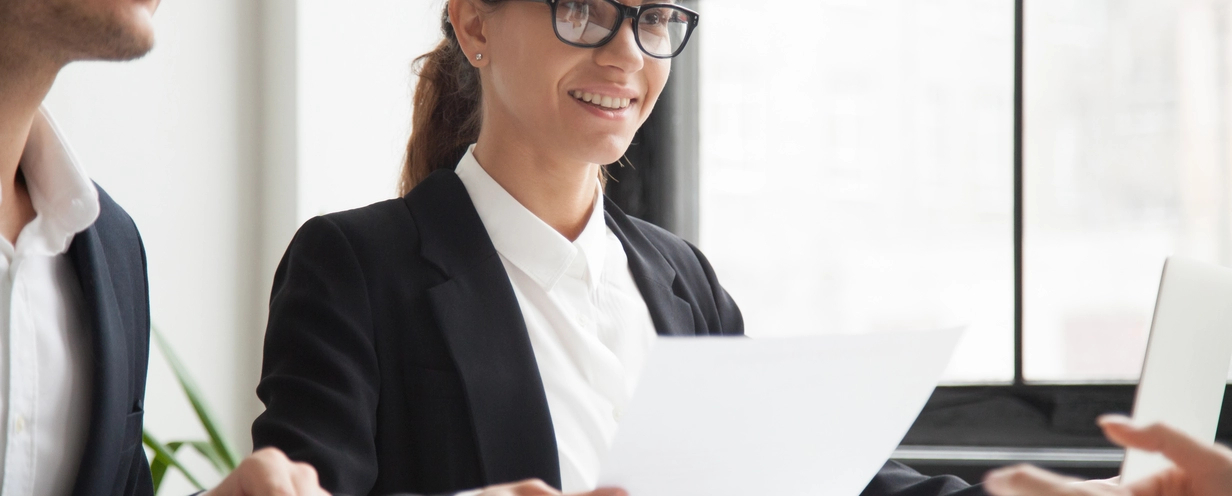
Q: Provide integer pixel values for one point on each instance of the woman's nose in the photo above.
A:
(622, 52)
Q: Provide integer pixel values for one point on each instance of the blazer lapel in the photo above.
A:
(483, 326)
(655, 277)
(109, 397)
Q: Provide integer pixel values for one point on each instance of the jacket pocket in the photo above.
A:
(132, 429)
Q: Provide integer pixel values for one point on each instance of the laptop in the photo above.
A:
(1187, 358)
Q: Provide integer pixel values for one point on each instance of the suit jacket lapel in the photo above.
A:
(655, 277)
(483, 326)
(109, 396)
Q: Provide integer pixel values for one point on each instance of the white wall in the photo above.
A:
(247, 118)
(355, 97)
(171, 137)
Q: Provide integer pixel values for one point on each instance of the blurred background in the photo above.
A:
(855, 167)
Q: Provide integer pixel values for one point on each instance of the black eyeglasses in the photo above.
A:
(661, 30)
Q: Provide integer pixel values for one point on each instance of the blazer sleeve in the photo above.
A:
(320, 377)
(896, 479)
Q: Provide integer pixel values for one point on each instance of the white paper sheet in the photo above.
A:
(814, 415)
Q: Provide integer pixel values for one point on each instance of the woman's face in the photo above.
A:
(534, 85)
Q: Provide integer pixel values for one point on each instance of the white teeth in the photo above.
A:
(608, 102)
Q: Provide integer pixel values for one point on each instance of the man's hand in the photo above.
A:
(1200, 469)
(268, 472)
(537, 487)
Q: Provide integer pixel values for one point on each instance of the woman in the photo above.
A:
(488, 326)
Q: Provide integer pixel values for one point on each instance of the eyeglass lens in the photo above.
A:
(661, 30)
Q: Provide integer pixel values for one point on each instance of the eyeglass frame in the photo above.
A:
(629, 12)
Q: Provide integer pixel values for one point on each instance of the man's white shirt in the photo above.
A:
(589, 327)
(45, 339)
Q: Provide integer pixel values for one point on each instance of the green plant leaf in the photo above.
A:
(207, 450)
(223, 449)
(158, 466)
(161, 451)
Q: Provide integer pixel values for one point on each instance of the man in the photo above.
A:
(74, 306)
(1200, 469)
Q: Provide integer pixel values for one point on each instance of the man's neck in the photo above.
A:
(24, 82)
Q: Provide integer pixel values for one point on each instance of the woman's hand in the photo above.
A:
(268, 472)
(1199, 469)
(536, 487)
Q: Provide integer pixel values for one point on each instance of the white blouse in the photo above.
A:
(589, 326)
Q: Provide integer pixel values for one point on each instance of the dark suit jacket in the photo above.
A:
(397, 359)
(110, 263)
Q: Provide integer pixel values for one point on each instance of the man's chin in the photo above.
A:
(120, 50)
(140, 32)
(123, 34)
(129, 43)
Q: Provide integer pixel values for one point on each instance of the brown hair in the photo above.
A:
(447, 115)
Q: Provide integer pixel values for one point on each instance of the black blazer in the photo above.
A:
(110, 262)
(397, 359)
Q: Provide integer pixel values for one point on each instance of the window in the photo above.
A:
(1022, 166)
(1127, 160)
(858, 173)
(857, 169)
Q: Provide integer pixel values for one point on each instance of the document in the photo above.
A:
(815, 415)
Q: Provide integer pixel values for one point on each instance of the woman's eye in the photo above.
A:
(652, 18)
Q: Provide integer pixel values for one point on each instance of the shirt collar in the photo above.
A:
(593, 240)
(64, 198)
(523, 238)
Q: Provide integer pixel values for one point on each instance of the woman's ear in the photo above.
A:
(467, 18)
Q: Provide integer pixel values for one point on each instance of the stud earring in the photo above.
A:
(478, 56)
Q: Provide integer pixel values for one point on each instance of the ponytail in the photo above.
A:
(446, 115)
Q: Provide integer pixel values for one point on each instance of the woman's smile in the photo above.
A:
(607, 101)
(614, 111)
